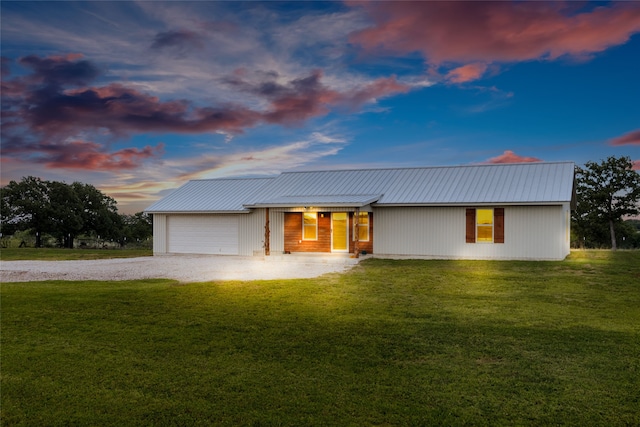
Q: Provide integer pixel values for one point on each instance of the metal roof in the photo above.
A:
(519, 183)
(351, 200)
(211, 195)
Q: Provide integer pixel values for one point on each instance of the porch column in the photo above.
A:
(267, 233)
(356, 228)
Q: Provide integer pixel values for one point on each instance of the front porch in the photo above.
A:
(325, 224)
(332, 232)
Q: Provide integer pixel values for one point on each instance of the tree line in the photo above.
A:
(606, 215)
(67, 211)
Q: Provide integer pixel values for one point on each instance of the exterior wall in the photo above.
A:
(364, 246)
(159, 234)
(293, 242)
(531, 232)
(251, 232)
(293, 234)
(276, 222)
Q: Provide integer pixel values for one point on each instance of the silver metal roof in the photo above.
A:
(211, 195)
(519, 183)
(351, 200)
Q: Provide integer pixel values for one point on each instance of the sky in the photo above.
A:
(137, 98)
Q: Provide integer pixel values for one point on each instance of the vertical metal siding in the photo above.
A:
(159, 234)
(251, 233)
(277, 231)
(531, 232)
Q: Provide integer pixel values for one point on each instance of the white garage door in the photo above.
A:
(203, 234)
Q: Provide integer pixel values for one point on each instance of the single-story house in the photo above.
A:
(497, 211)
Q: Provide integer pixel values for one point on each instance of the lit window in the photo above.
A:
(363, 227)
(484, 225)
(309, 226)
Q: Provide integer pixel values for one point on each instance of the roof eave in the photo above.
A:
(244, 211)
(471, 203)
(315, 205)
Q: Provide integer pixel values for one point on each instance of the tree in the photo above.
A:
(26, 204)
(63, 210)
(66, 213)
(606, 192)
(99, 213)
(137, 227)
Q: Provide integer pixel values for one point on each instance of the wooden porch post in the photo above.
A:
(267, 233)
(356, 238)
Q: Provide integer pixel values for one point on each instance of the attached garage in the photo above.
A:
(202, 234)
(209, 217)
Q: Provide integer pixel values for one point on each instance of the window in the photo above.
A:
(309, 226)
(485, 225)
(363, 227)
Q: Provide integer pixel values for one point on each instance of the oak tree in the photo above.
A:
(606, 192)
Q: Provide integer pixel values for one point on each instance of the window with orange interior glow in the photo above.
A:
(484, 225)
(309, 226)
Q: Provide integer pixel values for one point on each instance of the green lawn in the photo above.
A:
(51, 254)
(389, 343)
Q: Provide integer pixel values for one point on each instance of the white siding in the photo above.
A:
(202, 234)
(251, 233)
(277, 231)
(159, 234)
(531, 232)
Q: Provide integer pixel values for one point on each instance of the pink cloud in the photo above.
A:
(636, 165)
(457, 32)
(303, 98)
(466, 73)
(86, 155)
(510, 157)
(41, 114)
(629, 138)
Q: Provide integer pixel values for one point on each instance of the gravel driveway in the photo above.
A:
(185, 268)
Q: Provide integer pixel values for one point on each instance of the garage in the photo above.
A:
(203, 234)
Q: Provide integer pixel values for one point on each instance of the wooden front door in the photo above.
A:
(339, 232)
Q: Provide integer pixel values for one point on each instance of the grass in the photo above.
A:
(390, 343)
(51, 254)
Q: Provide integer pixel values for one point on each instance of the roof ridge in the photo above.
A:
(433, 167)
(233, 179)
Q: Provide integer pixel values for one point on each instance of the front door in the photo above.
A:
(339, 232)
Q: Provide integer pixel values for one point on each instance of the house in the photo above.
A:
(504, 211)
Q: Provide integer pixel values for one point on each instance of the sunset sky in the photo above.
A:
(136, 98)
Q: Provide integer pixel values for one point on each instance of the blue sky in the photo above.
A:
(136, 98)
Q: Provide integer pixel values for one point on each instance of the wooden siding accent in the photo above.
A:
(498, 220)
(471, 226)
(364, 246)
(293, 234)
